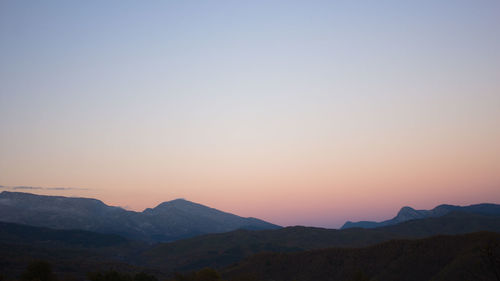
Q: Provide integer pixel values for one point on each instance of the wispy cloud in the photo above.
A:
(65, 188)
(25, 187)
(41, 188)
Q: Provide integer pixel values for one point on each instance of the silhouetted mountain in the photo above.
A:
(460, 257)
(181, 218)
(408, 213)
(76, 251)
(223, 249)
(167, 222)
(25, 234)
(72, 252)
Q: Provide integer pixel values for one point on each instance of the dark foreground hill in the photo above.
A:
(408, 213)
(462, 257)
(73, 252)
(219, 250)
(76, 252)
(168, 221)
(25, 234)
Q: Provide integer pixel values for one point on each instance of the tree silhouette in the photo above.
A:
(359, 276)
(111, 275)
(142, 276)
(490, 255)
(38, 271)
(206, 274)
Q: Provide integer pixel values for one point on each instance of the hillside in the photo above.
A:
(408, 213)
(25, 234)
(459, 257)
(168, 221)
(219, 250)
(76, 252)
(72, 252)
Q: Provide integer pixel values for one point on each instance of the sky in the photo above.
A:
(295, 112)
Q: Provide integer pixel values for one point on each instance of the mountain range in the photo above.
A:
(408, 213)
(77, 252)
(223, 249)
(79, 235)
(168, 221)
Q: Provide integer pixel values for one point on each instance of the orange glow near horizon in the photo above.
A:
(293, 112)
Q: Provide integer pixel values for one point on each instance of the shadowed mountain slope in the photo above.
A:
(73, 252)
(458, 258)
(25, 234)
(169, 221)
(219, 250)
(77, 252)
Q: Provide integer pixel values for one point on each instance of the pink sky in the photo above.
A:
(302, 112)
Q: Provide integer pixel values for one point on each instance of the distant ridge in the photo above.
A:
(25, 234)
(168, 221)
(224, 249)
(439, 258)
(83, 251)
(407, 213)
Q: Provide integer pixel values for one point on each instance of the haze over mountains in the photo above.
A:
(168, 221)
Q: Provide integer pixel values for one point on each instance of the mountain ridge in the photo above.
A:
(168, 221)
(222, 249)
(407, 213)
(441, 257)
(83, 251)
(77, 252)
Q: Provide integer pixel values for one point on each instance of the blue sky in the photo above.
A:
(303, 103)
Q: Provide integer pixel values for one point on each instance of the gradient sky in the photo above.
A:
(296, 112)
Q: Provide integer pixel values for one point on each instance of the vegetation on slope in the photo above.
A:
(460, 257)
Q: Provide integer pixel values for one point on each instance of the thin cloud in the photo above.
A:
(26, 187)
(41, 188)
(65, 188)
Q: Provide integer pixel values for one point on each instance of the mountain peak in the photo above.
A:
(405, 210)
(408, 213)
(35, 199)
(168, 221)
(178, 203)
